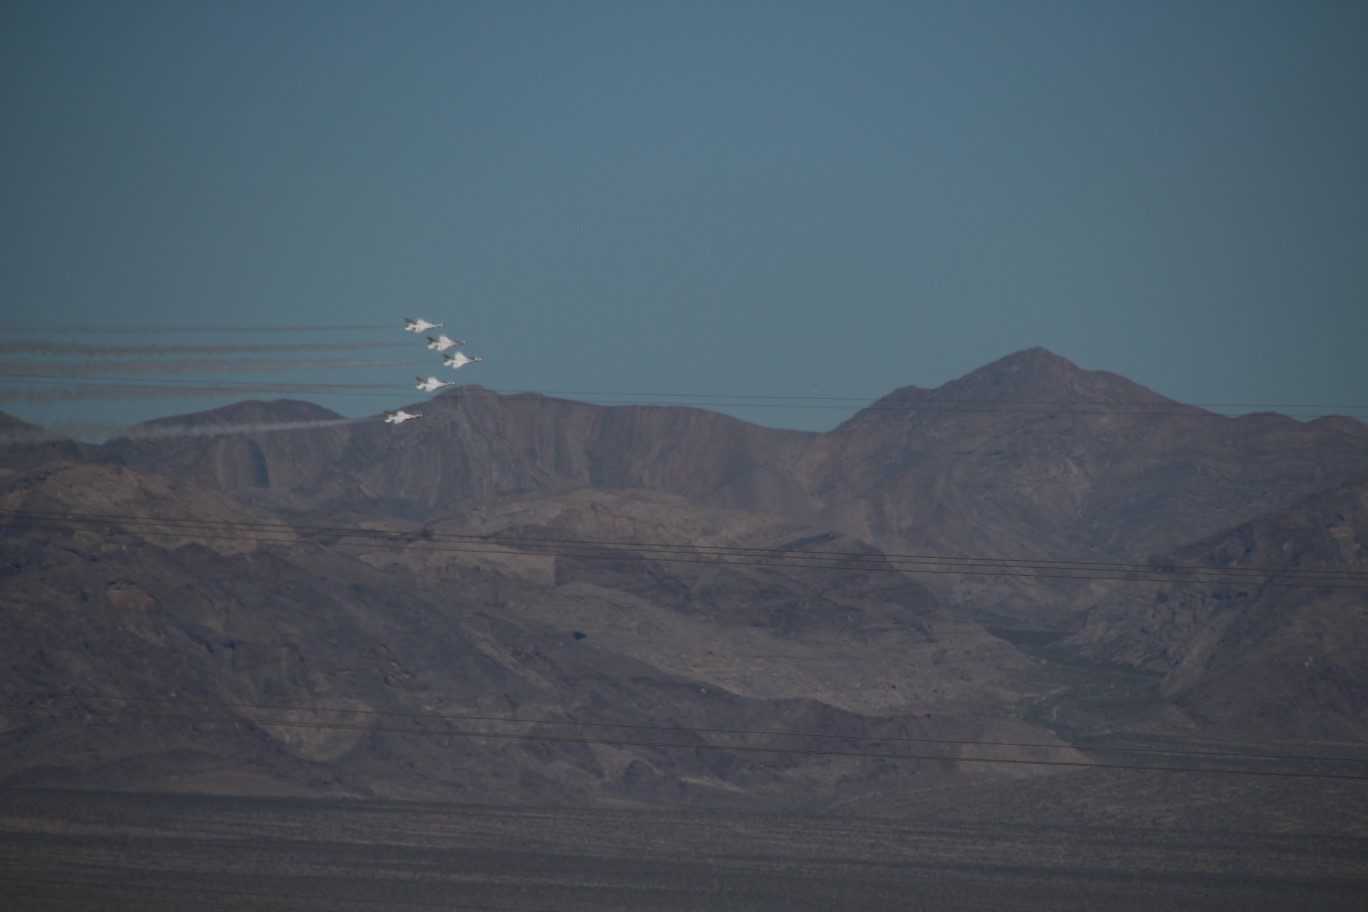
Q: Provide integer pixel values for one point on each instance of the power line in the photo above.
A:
(427, 534)
(711, 400)
(589, 552)
(722, 550)
(636, 742)
(785, 399)
(426, 540)
(694, 730)
(788, 401)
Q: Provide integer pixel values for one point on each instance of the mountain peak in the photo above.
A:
(11, 424)
(1039, 375)
(1033, 375)
(1036, 358)
(252, 411)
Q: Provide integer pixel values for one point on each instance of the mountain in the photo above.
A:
(1029, 457)
(226, 444)
(242, 415)
(24, 445)
(10, 425)
(275, 600)
(472, 443)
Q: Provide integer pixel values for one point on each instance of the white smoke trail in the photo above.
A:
(74, 349)
(115, 391)
(41, 369)
(101, 430)
(162, 431)
(31, 329)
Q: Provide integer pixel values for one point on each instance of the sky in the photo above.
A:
(783, 210)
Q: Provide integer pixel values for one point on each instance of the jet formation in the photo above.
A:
(432, 384)
(443, 342)
(459, 360)
(454, 360)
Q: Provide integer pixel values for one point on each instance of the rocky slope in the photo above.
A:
(182, 625)
(1276, 647)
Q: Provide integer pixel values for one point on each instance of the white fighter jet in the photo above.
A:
(420, 325)
(432, 384)
(400, 416)
(443, 342)
(459, 360)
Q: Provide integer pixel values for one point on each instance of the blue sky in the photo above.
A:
(695, 198)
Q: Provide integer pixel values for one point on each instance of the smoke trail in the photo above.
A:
(41, 369)
(77, 348)
(162, 431)
(116, 392)
(98, 430)
(130, 330)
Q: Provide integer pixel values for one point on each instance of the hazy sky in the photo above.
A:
(732, 198)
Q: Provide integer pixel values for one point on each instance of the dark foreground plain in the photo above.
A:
(64, 850)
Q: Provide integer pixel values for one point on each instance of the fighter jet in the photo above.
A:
(432, 384)
(420, 325)
(459, 360)
(400, 416)
(443, 342)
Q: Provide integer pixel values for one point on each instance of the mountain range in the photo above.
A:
(521, 598)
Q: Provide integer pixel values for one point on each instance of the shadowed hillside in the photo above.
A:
(1261, 654)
